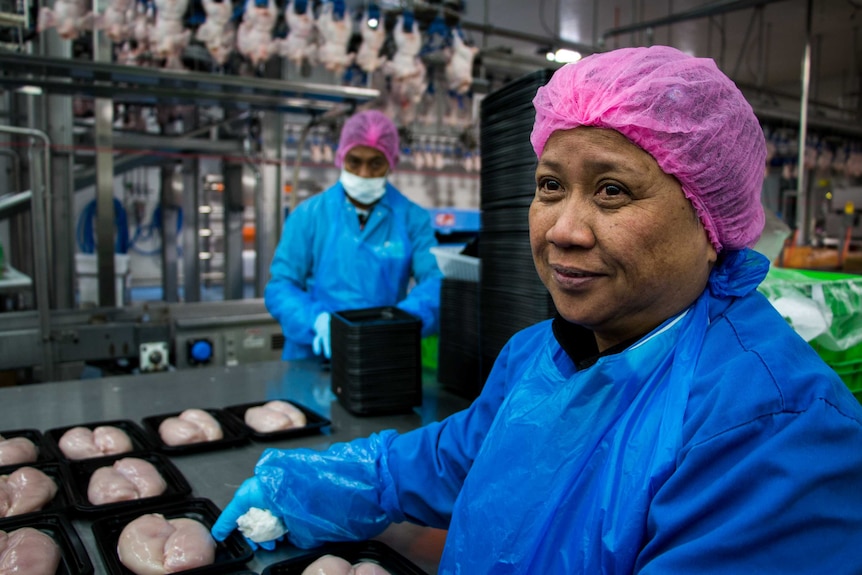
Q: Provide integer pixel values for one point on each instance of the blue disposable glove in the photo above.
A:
(321, 343)
(250, 494)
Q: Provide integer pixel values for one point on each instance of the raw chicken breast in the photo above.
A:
(332, 565)
(111, 440)
(191, 426)
(189, 546)
(153, 545)
(329, 565)
(28, 551)
(17, 450)
(274, 416)
(83, 443)
(368, 568)
(127, 479)
(25, 490)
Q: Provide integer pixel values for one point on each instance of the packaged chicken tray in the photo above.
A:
(58, 504)
(81, 472)
(352, 552)
(138, 440)
(73, 555)
(314, 422)
(9, 446)
(232, 433)
(231, 555)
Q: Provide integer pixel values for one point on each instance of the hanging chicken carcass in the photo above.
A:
(368, 57)
(168, 37)
(299, 45)
(69, 17)
(334, 35)
(218, 32)
(254, 36)
(136, 50)
(117, 20)
(407, 73)
(459, 67)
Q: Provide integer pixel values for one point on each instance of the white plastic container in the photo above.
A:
(87, 269)
(457, 266)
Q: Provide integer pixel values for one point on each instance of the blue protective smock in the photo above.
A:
(324, 262)
(718, 443)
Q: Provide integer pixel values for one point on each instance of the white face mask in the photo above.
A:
(364, 190)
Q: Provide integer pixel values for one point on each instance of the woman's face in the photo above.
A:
(614, 238)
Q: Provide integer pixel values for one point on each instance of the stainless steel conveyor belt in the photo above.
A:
(216, 474)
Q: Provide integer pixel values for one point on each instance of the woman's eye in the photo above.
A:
(549, 185)
(613, 190)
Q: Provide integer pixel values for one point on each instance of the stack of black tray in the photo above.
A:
(376, 360)
(512, 296)
(458, 363)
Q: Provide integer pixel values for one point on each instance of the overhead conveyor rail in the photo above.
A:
(145, 85)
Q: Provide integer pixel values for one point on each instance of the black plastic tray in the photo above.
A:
(73, 556)
(234, 433)
(314, 421)
(140, 440)
(353, 552)
(231, 554)
(46, 451)
(56, 471)
(81, 471)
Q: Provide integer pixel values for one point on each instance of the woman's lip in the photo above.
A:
(573, 278)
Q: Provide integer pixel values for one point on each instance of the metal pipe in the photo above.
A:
(801, 180)
(491, 30)
(294, 181)
(40, 264)
(16, 167)
(703, 12)
(10, 204)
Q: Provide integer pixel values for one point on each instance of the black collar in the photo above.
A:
(579, 343)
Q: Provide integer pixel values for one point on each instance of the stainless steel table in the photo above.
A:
(216, 474)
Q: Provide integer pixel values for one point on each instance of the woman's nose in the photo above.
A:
(571, 226)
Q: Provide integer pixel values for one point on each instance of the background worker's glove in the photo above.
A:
(321, 343)
(251, 496)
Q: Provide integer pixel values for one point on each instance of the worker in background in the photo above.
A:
(669, 420)
(356, 245)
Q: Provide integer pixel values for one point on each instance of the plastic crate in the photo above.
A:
(851, 374)
(456, 266)
(840, 345)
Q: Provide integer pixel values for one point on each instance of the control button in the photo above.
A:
(201, 351)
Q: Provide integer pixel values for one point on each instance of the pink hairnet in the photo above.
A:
(370, 128)
(685, 113)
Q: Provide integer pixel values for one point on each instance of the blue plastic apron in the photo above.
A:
(358, 271)
(594, 444)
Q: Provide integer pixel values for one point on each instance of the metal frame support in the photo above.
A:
(802, 207)
(191, 234)
(268, 209)
(237, 177)
(42, 280)
(171, 200)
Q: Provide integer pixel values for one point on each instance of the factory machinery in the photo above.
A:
(202, 146)
(193, 160)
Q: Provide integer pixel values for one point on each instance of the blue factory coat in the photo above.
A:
(324, 262)
(718, 443)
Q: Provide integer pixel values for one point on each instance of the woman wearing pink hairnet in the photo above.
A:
(354, 246)
(668, 420)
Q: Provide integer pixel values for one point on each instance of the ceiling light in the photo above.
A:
(564, 56)
(30, 90)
